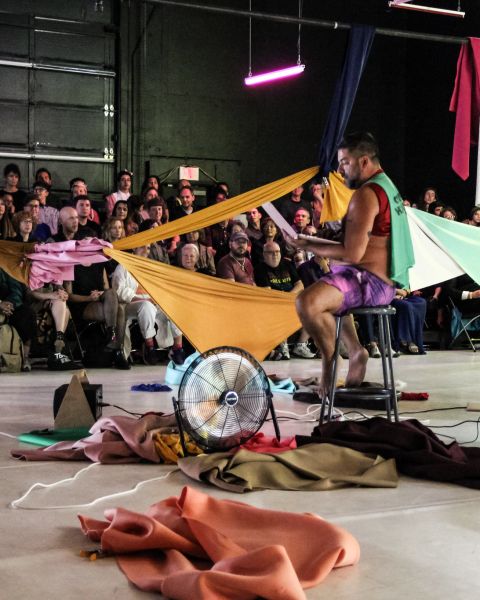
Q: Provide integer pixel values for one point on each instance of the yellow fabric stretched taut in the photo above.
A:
(215, 312)
(336, 198)
(219, 212)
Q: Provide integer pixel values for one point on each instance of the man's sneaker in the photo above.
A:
(177, 355)
(57, 361)
(301, 350)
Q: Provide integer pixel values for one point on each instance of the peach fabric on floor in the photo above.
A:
(196, 547)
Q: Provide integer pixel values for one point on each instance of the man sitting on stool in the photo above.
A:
(365, 280)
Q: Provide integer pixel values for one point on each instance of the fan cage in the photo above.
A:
(223, 398)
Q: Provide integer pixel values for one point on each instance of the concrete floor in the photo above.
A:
(420, 540)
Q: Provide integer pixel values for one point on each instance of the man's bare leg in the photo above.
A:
(316, 306)
(358, 355)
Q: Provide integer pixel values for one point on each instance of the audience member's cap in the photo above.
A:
(239, 235)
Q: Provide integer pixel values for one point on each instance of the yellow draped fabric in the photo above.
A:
(215, 312)
(218, 212)
(336, 198)
(13, 261)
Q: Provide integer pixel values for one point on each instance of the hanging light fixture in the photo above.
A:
(406, 5)
(252, 80)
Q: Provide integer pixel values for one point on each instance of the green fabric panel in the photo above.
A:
(402, 256)
(460, 241)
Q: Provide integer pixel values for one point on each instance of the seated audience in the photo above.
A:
(83, 206)
(187, 204)
(270, 233)
(113, 230)
(474, 218)
(24, 224)
(276, 273)
(44, 176)
(449, 213)
(206, 262)
(19, 313)
(236, 266)
(90, 298)
(48, 214)
(68, 225)
(254, 218)
(154, 324)
(124, 191)
(189, 258)
(54, 298)
(6, 227)
(288, 205)
(408, 321)
(12, 177)
(41, 231)
(158, 250)
(427, 199)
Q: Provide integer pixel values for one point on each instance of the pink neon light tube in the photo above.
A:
(273, 75)
(428, 9)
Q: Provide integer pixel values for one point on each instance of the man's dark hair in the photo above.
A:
(147, 224)
(42, 170)
(11, 168)
(41, 184)
(186, 187)
(361, 143)
(124, 172)
(82, 197)
(84, 233)
(73, 181)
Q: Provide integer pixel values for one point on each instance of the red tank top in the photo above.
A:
(382, 223)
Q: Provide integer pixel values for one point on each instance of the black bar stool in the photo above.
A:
(387, 393)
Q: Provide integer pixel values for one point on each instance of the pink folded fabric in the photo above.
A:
(196, 547)
(55, 262)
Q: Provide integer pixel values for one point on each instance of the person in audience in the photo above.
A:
(6, 227)
(187, 204)
(449, 213)
(151, 182)
(19, 313)
(408, 321)
(41, 231)
(219, 195)
(219, 238)
(276, 273)
(438, 209)
(54, 298)
(225, 187)
(124, 191)
(157, 210)
(90, 298)
(44, 176)
(174, 202)
(158, 250)
(140, 306)
(149, 195)
(270, 233)
(47, 214)
(254, 218)
(474, 218)
(236, 266)
(68, 225)
(24, 224)
(427, 198)
(316, 202)
(301, 221)
(7, 200)
(78, 187)
(204, 262)
(288, 205)
(12, 177)
(138, 209)
(113, 229)
(83, 206)
(465, 293)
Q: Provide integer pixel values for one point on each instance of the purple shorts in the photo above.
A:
(359, 288)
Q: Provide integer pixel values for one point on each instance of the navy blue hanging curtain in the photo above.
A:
(359, 44)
